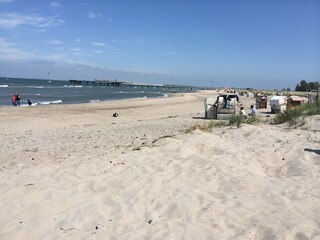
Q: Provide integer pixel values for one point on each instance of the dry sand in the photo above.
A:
(76, 172)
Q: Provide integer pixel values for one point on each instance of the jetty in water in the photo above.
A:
(115, 83)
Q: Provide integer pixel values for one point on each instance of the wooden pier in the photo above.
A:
(115, 83)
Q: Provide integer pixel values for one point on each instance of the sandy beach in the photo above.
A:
(77, 172)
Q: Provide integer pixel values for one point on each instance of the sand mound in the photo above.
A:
(142, 178)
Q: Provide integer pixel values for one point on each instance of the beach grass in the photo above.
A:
(207, 127)
(294, 116)
(235, 120)
(238, 120)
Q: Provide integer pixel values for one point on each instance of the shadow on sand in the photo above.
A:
(197, 117)
(312, 150)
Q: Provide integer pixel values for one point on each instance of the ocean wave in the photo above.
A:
(72, 86)
(27, 105)
(121, 92)
(4, 86)
(164, 95)
(159, 93)
(94, 101)
(35, 86)
(128, 92)
(50, 102)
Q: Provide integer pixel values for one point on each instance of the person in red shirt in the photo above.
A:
(14, 100)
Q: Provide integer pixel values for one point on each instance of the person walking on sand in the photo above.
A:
(18, 98)
(14, 100)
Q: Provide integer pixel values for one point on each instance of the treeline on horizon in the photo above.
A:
(305, 86)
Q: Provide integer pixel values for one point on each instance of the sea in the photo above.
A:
(45, 92)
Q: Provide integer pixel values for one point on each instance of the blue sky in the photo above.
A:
(242, 43)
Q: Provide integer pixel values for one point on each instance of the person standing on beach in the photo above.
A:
(14, 100)
(18, 98)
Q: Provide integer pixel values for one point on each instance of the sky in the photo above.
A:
(261, 44)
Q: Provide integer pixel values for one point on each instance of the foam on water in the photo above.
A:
(73, 86)
(26, 105)
(35, 86)
(50, 102)
(94, 101)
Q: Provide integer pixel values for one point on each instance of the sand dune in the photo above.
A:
(75, 172)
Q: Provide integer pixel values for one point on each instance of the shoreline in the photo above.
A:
(93, 101)
(42, 120)
(57, 91)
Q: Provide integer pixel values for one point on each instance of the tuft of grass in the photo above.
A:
(238, 120)
(215, 124)
(207, 127)
(293, 116)
(234, 120)
(192, 128)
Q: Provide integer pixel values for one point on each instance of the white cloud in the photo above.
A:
(9, 51)
(109, 20)
(93, 15)
(12, 20)
(169, 53)
(75, 49)
(55, 4)
(101, 45)
(55, 42)
(139, 71)
(59, 49)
